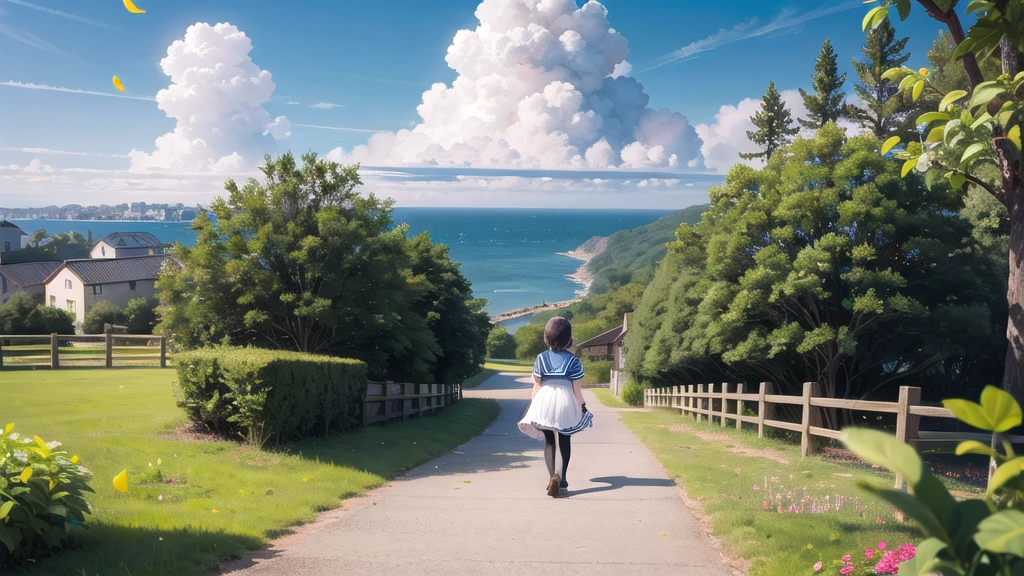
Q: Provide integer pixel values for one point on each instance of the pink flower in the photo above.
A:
(869, 553)
(756, 487)
(846, 558)
(817, 566)
(881, 545)
(846, 569)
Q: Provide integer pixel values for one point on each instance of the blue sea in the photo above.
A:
(514, 257)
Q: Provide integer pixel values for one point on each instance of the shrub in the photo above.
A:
(263, 394)
(975, 536)
(25, 314)
(102, 313)
(596, 372)
(633, 394)
(530, 341)
(500, 344)
(140, 315)
(42, 491)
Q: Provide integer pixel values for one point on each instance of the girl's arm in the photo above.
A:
(578, 391)
(536, 386)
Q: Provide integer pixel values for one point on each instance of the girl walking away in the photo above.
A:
(557, 409)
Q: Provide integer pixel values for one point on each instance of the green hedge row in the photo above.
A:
(264, 394)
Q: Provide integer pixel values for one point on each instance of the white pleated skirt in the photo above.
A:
(553, 408)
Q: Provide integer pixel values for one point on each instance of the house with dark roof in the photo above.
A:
(127, 245)
(26, 277)
(11, 237)
(77, 285)
(606, 346)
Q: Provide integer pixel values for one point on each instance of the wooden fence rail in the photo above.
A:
(82, 350)
(386, 402)
(694, 400)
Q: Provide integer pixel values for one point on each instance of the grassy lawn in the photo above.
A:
(211, 499)
(608, 399)
(509, 365)
(741, 482)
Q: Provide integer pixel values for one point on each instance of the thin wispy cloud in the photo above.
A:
(337, 128)
(31, 86)
(58, 13)
(293, 103)
(59, 152)
(325, 105)
(786, 20)
(385, 80)
(30, 39)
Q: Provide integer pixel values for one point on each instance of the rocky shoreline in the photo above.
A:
(582, 276)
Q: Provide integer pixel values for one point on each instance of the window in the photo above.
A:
(67, 284)
(103, 250)
(71, 306)
(131, 285)
(53, 301)
(97, 289)
(7, 246)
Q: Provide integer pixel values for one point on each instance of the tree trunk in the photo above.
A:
(1013, 374)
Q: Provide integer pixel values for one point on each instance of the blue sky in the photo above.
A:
(368, 67)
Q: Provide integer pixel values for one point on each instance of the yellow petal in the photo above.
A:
(133, 8)
(215, 510)
(74, 459)
(121, 481)
(53, 484)
(26, 474)
(117, 84)
(8, 428)
(663, 534)
(923, 71)
(305, 479)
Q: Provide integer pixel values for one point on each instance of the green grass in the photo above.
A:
(226, 498)
(509, 365)
(608, 399)
(479, 378)
(720, 471)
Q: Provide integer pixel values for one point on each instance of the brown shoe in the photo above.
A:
(553, 486)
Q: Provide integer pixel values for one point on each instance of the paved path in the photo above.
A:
(483, 509)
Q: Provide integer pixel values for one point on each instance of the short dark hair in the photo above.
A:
(558, 334)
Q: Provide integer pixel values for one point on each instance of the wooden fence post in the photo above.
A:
(762, 407)
(906, 424)
(1, 353)
(54, 351)
(724, 404)
(689, 400)
(739, 407)
(811, 389)
(700, 401)
(108, 342)
(163, 351)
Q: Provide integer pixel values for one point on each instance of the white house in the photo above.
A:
(11, 237)
(77, 285)
(127, 245)
(26, 277)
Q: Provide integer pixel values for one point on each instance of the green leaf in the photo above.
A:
(903, 7)
(998, 411)
(957, 181)
(972, 152)
(5, 509)
(953, 96)
(973, 446)
(923, 560)
(874, 17)
(1014, 136)
(912, 507)
(908, 166)
(918, 88)
(7, 537)
(888, 144)
(935, 135)
(929, 117)
(886, 450)
(1002, 533)
(985, 92)
(894, 73)
(1005, 473)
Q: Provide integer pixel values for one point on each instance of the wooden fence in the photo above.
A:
(76, 351)
(386, 402)
(708, 404)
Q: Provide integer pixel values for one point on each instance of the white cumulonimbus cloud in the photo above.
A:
(216, 96)
(541, 84)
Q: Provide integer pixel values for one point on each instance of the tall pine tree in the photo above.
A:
(774, 125)
(827, 103)
(885, 112)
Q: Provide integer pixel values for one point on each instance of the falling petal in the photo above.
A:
(121, 481)
(160, 497)
(663, 534)
(133, 8)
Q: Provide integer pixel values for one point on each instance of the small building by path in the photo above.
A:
(25, 277)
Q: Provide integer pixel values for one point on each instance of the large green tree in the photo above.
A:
(824, 266)
(301, 260)
(25, 314)
(974, 134)
(774, 125)
(827, 103)
(885, 111)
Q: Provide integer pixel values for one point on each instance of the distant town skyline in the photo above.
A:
(615, 104)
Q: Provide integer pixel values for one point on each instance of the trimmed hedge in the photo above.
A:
(263, 394)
